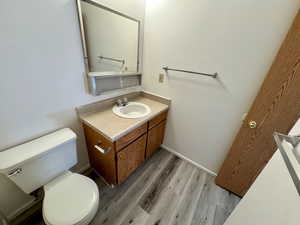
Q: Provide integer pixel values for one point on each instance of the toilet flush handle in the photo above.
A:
(103, 151)
(15, 172)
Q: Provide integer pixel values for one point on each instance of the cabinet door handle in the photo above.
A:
(101, 150)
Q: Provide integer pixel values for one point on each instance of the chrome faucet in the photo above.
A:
(123, 102)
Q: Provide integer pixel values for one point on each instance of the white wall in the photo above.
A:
(41, 69)
(238, 39)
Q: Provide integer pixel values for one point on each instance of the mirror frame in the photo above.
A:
(82, 31)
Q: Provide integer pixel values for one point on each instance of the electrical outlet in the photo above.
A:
(161, 78)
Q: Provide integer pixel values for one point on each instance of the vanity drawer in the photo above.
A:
(156, 120)
(130, 137)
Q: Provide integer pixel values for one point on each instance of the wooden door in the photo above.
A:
(155, 138)
(131, 158)
(276, 108)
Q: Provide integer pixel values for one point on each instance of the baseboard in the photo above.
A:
(87, 166)
(83, 169)
(189, 160)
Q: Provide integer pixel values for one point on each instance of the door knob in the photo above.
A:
(252, 124)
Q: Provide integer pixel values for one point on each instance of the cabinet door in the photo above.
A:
(155, 138)
(104, 164)
(131, 158)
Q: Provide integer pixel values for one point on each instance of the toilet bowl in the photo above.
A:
(70, 198)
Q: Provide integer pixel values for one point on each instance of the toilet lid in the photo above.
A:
(69, 199)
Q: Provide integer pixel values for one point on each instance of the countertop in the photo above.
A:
(114, 127)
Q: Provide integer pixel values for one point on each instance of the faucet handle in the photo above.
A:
(119, 102)
(125, 100)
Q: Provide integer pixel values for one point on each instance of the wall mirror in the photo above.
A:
(110, 42)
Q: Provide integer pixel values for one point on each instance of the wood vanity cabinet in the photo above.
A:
(130, 158)
(115, 161)
(155, 138)
(102, 163)
(156, 133)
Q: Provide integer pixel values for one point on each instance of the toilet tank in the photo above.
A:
(35, 163)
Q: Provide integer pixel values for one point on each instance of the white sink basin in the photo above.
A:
(132, 110)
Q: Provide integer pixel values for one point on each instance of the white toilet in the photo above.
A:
(70, 198)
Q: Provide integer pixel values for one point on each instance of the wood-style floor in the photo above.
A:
(166, 190)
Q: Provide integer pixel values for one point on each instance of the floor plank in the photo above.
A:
(165, 190)
(169, 198)
(138, 216)
(205, 210)
(189, 198)
(124, 202)
(221, 214)
(153, 194)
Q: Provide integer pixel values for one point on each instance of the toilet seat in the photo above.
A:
(70, 199)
